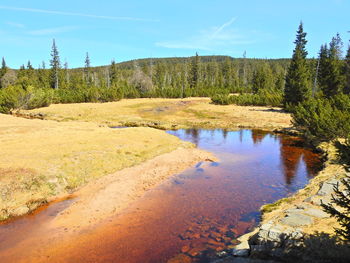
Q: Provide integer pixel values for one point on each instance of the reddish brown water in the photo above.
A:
(197, 212)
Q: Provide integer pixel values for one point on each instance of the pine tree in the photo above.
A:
(113, 73)
(29, 65)
(194, 72)
(55, 66)
(263, 79)
(334, 78)
(323, 70)
(3, 70)
(66, 73)
(342, 200)
(298, 84)
(87, 69)
(347, 72)
(3, 67)
(43, 76)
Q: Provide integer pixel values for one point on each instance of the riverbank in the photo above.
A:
(41, 161)
(296, 228)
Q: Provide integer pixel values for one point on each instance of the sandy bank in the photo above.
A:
(93, 205)
(111, 194)
(40, 160)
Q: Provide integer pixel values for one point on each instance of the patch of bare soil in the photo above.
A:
(111, 194)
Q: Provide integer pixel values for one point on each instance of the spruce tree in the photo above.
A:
(347, 72)
(113, 73)
(298, 84)
(3, 67)
(194, 71)
(87, 69)
(323, 69)
(263, 79)
(334, 78)
(55, 66)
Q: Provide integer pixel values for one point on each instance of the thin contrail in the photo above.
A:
(217, 31)
(43, 11)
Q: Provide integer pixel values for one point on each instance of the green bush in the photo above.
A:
(325, 119)
(15, 97)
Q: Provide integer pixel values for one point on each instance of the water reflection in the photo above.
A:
(295, 160)
(258, 136)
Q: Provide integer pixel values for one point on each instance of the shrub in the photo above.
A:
(325, 119)
(15, 97)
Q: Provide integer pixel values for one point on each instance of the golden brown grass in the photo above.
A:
(167, 114)
(39, 159)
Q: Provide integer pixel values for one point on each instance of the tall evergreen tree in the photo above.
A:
(3, 67)
(87, 69)
(334, 78)
(263, 79)
(194, 72)
(323, 70)
(298, 85)
(55, 66)
(347, 72)
(113, 73)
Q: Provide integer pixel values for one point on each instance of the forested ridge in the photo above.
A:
(152, 77)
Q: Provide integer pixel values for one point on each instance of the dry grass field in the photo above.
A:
(42, 159)
(167, 114)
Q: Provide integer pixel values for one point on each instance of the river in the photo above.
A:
(195, 213)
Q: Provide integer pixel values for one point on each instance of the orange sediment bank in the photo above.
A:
(93, 204)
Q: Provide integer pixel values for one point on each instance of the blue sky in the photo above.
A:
(131, 29)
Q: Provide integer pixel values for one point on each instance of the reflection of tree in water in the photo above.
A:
(194, 133)
(313, 163)
(258, 136)
(290, 157)
(240, 136)
(224, 133)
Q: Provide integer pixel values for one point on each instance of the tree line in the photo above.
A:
(29, 87)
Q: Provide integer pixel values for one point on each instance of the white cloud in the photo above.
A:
(53, 12)
(214, 38)
(51, 31)
(14, 24)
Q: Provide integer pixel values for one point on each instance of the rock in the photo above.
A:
(275, 233)
(266, 226)
(327, 188)
(316, 199)
(195, 252)
(185, 249)
(222, 254)
(316, 213)
(181, 258)
(241, 250)
(294, 210)
(295, 220)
